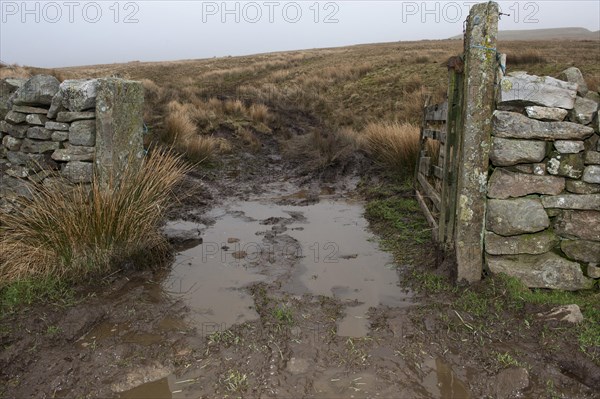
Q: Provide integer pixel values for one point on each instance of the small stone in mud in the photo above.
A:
(231, 240)
(352, 256)
(143, 375)
(239, 254)
(225, 248)
(568, 313)
(510, 381)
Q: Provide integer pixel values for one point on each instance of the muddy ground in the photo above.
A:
(278, 289)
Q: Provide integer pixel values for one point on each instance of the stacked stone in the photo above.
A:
(48, 132)
(543, 210)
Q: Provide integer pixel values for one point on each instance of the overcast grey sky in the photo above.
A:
(64, 33)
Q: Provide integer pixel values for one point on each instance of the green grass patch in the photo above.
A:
(283, 314)
(397, 218)
(430, 282)
(506, 360)
(490, 300)
(224, 337)
(235, 381)
(588, 332)
(400, 215)
(27, 292)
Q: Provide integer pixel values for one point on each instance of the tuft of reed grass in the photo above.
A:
(394, 144)
(179, 125)
(321, 149)
(234, 107)
(259, 113)
(76, 233)
(200, 149)
(181, 130)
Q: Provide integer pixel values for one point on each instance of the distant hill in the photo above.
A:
(546, 34)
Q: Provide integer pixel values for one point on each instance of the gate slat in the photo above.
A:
(430, 191)
(428, 214)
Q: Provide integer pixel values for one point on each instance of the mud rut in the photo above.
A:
(277, 290)
(284, 288)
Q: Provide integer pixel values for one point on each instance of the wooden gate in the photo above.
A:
(455, 142)
(435, 183)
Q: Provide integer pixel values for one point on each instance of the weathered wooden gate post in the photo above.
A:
(478, 106)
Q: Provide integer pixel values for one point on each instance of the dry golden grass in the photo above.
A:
(14, 71)
(179, 126)
(525, 58)
(248, 138)
(593, 82)
(183, 126)
(259, 113)
(235, 107)
(319, 150)
(394, 144)
(203, 148)
(152, 94)
(412, 104)
(303, 92)
(280, 75)
(77, 233)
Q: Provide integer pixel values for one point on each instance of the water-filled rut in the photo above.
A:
(320, 249)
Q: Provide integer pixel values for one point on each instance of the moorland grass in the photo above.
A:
(394, 144)
(75, 233)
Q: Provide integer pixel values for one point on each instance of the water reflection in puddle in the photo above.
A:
(210, 278)
(442, 382)
(342, 259)
(160, 389)
(338, 258)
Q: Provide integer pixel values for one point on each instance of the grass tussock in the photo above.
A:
(199, 149)
(259, 113)
(73, 234)
(248, 138)
(525, 57)
(234, 107)
(179, 125)
(182, 130)
(394, 144)
(320, 149)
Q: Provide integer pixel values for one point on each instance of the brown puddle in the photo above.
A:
(338, 257)
(211, 279)
(160, 389)
(342, 259)
(101, 332)
(441, 381)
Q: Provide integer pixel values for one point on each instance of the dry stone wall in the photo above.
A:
(52, 131)
(543, 206)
